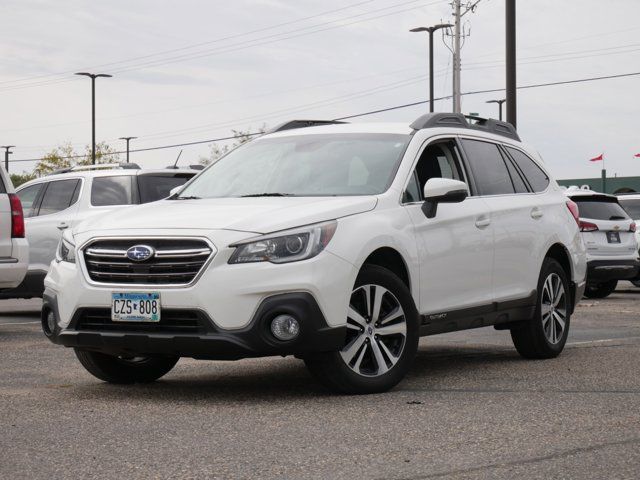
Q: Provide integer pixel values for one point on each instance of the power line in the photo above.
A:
(372, 112)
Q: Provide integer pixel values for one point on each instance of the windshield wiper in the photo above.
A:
(271, 194)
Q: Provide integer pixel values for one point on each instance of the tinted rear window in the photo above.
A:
(112, 191)
(489, 170)
(631, 206)
(534, 174)
(58, 196)
(157, 187)
(600, 209)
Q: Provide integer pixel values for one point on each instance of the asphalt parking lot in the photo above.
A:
(471, 408)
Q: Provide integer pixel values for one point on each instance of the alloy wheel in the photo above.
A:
(553, 308)
(376, 331)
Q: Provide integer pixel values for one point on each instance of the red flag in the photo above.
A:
(637, 155)
(598, 158)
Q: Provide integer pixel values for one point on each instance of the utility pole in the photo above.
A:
(510, 23)
(128, 139)
(93, 77)
(431, 30)
(6, 156)
(457, 103)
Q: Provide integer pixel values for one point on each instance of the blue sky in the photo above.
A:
(187, 71)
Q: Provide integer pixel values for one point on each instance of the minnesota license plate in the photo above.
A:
(135, 307)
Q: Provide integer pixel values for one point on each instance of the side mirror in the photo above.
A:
(175, 190)
(442, 190)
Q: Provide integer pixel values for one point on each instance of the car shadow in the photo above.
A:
(289, 379)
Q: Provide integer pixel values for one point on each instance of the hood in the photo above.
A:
(256, 215)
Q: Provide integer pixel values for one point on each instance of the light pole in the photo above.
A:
(127, 139)
(431, 30)
(499, 102)
(6, 156)
(93, 77)
(510, 20)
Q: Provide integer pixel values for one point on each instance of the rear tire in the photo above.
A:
(114, 369)
(601, 290)
(545, 335)
(381, 341)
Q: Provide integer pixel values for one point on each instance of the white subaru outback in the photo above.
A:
(340, 244)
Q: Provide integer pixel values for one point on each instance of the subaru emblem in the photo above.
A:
(140, 253)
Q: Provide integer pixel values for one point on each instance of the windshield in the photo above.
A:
(304, 165)
(631, 206)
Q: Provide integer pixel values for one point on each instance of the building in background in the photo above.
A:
(611, 184)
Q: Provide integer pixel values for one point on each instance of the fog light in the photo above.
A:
(285, 327)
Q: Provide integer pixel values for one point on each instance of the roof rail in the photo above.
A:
(458, 120)
(290, 125)
(99, 166)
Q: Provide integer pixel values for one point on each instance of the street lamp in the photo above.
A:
(93, 77)
(499, 102)
(127, 139)
(431, 30)
(6, 156)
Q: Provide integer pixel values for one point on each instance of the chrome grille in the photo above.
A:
(175, 261)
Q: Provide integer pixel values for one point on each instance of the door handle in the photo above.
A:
(482, 222)
(536, 213)
(62, 226)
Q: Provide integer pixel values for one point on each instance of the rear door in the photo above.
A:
(515, 218)
(5, 220)
(606, 227)
(53, 212)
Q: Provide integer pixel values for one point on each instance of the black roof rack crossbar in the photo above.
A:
(290, 125)
(458, 120)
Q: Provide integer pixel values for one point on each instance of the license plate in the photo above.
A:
(613, 237)
(135, 307)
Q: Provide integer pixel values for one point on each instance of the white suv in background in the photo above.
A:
(14, 249)
(61, 200)
(339, 243)
(631, 204)
(610, 237)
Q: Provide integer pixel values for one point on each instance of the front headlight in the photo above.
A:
(283, 247)
(66, 249)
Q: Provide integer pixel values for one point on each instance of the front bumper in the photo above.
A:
(605, 270)
(203, 340)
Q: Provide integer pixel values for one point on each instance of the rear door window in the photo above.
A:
(157, 187)
(536, 177)
(600, 208)
(488, 167)
(28, 196)
(58, 196)
(117, 190)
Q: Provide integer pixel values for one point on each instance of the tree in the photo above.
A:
(56, 159)
(64, 156)
(241, 137)
(19, 178)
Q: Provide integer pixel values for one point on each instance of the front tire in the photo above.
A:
(545, 335)
(601, 290)
(381, 341)
(121, 370)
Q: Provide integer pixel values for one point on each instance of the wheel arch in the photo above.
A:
(559, 253)
(391, 259)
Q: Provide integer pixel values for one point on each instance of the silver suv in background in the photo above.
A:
(14, 250)
(610, 237)
(63, 199)
(631, 204)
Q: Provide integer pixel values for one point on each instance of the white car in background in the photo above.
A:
(631, 204)
(339, 244)
(609, 234)
(62, 200)
(14, 249)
